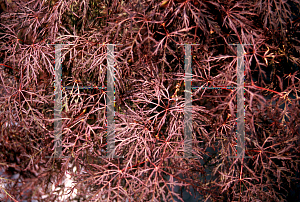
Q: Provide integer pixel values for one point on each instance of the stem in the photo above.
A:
(266, 89)
(9, 67)
(8, 194)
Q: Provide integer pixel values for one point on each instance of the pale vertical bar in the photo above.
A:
(57, 103)
(240, 102)
(110, 99)
(188, 147)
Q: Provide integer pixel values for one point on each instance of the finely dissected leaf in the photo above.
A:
(150, 96)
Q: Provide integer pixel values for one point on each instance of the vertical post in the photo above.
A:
(188, 147)
(240, 72)
(57, 103)
(110, 101)
(240, 102)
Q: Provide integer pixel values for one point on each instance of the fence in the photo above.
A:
(110, 98)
